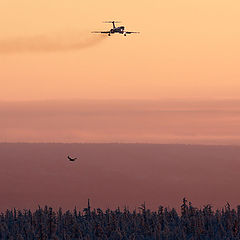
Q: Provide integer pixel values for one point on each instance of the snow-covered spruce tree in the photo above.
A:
(97, 224)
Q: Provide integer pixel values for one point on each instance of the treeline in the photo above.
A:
(165, 224)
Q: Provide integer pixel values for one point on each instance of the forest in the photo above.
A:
(139, 224)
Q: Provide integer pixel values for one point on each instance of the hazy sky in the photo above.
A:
(186, 49)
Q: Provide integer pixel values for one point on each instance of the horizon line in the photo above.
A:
(127, 143)
(122, 99)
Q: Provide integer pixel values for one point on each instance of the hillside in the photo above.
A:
(117, 174)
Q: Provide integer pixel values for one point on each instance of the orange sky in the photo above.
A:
(186, 49)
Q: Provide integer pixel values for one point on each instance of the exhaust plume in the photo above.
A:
(45, 43)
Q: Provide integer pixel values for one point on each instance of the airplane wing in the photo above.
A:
(131, 32)
(100, 32)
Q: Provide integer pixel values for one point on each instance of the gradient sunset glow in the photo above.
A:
(185, 49)
(149, 117)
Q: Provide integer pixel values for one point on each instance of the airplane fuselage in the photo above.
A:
(118, 30)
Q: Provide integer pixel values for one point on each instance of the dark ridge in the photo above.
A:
(117, 175)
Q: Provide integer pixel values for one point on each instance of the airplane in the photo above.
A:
(120, 30)
(71, 159)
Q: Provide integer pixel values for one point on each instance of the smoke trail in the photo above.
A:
(54, 43)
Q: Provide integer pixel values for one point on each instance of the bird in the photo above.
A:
(71, 159)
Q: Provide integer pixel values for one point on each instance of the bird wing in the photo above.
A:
(71, 159)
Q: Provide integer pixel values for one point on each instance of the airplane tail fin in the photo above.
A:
(113, 22)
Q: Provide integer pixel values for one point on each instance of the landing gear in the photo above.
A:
(109, 34)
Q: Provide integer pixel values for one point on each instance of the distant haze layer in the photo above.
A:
(114, 175)
(167, 121)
